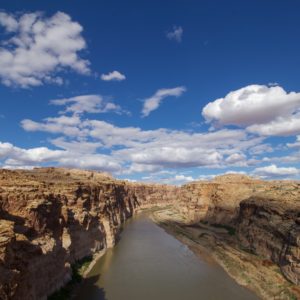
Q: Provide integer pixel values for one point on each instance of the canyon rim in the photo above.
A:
(51, 218)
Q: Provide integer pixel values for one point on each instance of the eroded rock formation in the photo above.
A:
(266, 215)
(217, 201)
(269, 225)
(50, 218)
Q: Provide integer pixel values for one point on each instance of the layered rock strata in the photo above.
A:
(265, 215)
(50, 218)
(269, 226)
(216, 201)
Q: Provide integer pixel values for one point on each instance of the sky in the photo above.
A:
(155, 91)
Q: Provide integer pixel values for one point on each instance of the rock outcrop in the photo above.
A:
(265, 214)
(269, 225)
(50, 218)
(217, 201)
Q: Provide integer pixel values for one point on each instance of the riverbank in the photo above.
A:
(215, 244)
(218, 244)
(79, 271)
(82, 268)
(148, 263)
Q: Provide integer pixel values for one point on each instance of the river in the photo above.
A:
(149, 264)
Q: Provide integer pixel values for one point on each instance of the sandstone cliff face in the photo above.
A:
(269, 225)
(49, 218)
(217, 201)
(266, 215)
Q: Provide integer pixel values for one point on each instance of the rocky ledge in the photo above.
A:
(251, 227)
(51, 218)
(269, 226)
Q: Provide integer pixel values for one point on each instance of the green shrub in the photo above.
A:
(78, 269)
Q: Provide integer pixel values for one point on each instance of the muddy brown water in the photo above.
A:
(149, 264)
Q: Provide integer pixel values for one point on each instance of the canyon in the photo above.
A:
(50, 218)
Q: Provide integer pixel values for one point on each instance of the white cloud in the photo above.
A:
(296, 144)
(149, 150)
(274, 171)
(281, 126)
(18, 156)
(233, 172)
(136, 150)
(79, 146)
(175, 34)
(172, 157)
(38, 47)
(168, 178)
(69, 126)
(265, 110)
(237, 159)
(87, 104)
(22, 167)
(15, 157)
(183, 150)
(178, 179)
(93, 162)
(260, 149)
(154, 101)
(141, 168)
(113, 76)
(183, 178)
(8, 22)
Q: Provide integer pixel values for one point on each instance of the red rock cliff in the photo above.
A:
(49, 218)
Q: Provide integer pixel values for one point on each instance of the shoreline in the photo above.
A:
(95, 259)
(260, 276)
(215, 246)
(83, 272)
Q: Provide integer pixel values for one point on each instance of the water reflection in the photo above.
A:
(149, 264)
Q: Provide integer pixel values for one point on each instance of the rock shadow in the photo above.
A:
(88, 289)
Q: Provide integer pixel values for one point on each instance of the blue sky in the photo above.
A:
(165, 91)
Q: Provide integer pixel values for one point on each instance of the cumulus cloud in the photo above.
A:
(184, 178)
(264, 110)
(148, 150)
(87, 104)
(173, 157)
(69, 126)
(15, 157)
(78, 146)
(141, 168)
(260, 149)
(152, 103)
(18, 156)
(131, 150)
(113, 76)
(281, 126)
(175, 34)
(100, 162)
(237, 159)
(168, 177)
(8, 22)
(95, 144)
(273, 171)
(37, 48)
